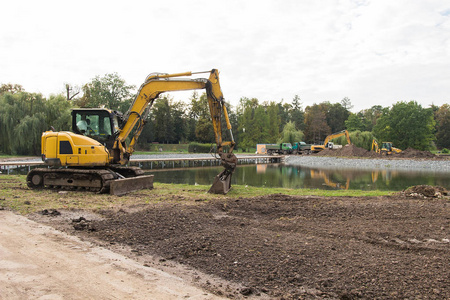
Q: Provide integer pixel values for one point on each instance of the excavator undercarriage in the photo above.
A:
(114, 180)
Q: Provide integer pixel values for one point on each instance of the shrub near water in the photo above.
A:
(199, 148)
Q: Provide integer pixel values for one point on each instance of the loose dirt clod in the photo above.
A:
(50, 212)
(425, 191)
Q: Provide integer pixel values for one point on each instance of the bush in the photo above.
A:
(200, 148)
(445, 150)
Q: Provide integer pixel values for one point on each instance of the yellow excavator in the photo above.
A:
(386, 148)
(94, 156)
(327, 143)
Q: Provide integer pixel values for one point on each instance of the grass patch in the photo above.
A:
(15, 195)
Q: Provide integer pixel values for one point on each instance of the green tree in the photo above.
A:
(290, 134)
(407, 125)
(192, 117)
(346, 104)
(11, 88)
(246, 112)
(259, 130)
(442, 117)
(297, 115)
(284, 113)
(274, 123)
(370, 116)
(163, 121)
(179, 121)
(316, 124)
(204, 131)
(109, 91)
(362, 139)
(336, 116)
(354, 123)
(23, 118)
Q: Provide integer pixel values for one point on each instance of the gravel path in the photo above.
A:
(355, 163)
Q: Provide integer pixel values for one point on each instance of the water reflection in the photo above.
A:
(278, 175)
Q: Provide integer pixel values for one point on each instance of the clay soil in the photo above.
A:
(292, 247)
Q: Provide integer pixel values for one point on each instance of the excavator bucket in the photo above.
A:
(222, 182)
(124, 186)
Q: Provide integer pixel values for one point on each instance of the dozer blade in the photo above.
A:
(121, 187)
(221, 184)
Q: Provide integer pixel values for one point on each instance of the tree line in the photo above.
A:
(24, 116)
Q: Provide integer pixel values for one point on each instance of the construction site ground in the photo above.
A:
(265, 247)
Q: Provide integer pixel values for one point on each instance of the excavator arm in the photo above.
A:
(154, 85)
(375, 146)
(336, 135)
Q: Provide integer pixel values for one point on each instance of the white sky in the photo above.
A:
(373, 52)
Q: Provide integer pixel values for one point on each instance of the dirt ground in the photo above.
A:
(286, 247)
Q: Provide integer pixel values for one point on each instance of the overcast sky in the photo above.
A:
(373, 52)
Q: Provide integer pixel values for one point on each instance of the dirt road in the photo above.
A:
(39, 262)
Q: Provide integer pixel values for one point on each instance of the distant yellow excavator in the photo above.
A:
(386, 148)
(94, 155)
(328, 144)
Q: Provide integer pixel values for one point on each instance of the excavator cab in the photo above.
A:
(386, 146)
(98, 123)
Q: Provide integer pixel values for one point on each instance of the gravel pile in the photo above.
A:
(313, 161)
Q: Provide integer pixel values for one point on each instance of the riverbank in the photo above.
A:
(325, 162)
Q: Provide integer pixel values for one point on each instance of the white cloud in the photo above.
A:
(374, 52)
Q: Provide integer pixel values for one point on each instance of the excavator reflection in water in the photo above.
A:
(94, 156)
(387, 176)
(319, 174)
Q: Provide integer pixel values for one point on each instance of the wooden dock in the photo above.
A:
(160, 163)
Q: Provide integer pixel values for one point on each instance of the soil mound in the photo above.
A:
(348, 150)
(426, 191)
(352, 150)
(413, 153)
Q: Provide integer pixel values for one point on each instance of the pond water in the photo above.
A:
(295, 177)
(279, 175)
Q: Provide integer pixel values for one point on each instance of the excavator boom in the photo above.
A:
(318, 148)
